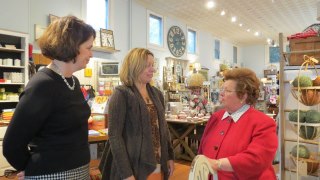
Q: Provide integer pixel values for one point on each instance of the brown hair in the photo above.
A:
(133, 65)
(247, 82)
(63, 37)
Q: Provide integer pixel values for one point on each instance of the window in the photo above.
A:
(155, 30)
(192, 37)
(216, 49)
(98, 13)
(274, 54)
(235, 55)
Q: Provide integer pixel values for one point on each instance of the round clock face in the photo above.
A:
(176, 41)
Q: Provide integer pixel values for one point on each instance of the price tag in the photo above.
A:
(302, 168)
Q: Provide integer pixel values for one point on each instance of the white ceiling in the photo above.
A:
(269, 17)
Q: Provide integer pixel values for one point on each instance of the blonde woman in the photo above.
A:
(139, 144)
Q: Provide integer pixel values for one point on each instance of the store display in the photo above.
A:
(299, 115)
(14, 67)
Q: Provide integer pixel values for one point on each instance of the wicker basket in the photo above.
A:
(312, 164)
(306, 130)
(308, 96)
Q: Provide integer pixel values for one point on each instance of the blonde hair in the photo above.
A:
(133, 65)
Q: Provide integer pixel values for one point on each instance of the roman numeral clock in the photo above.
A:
(176, 41)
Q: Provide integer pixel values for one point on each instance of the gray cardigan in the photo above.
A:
(129, 149)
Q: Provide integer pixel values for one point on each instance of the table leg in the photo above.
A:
(181, 139)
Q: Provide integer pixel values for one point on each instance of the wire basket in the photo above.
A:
(306, 130)
(308, 96)
(312, 163)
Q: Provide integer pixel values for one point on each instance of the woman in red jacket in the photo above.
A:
(239, 141)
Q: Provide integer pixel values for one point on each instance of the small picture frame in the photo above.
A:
(38, 31)
(53, 18)
(107, 39)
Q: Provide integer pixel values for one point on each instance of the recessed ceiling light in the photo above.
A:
(256, 33)
(233, 19)
(222, 13)
(269, 41)
(248, 30)
(240, 24)
(210, 4)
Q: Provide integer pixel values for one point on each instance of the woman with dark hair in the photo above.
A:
(139, 144)
(47, 137)
(239, 141)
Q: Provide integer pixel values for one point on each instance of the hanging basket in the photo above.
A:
(312, 164)
(306, 130)
(308, 96)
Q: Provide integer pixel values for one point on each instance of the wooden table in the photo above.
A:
(97, 139)
(190, 126)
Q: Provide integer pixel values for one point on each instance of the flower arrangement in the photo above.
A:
(198, 105)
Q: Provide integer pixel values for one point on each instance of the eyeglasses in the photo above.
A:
(223, 90)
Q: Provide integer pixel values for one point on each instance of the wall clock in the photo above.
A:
(176, 41)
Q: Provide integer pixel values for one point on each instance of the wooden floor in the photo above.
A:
(181, 171)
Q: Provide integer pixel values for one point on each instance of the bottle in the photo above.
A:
(3, 95)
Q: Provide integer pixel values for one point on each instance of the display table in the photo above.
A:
(97, 139)
(180, 133)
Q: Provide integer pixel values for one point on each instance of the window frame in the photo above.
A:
(152, 45)
(195, 41)
(218, 49)
(107, 14)
(235, 54)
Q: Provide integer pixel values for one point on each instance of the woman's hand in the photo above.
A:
(214, 164)
(20, 175)
(171, 167)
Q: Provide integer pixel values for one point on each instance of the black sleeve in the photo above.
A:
(34, 106)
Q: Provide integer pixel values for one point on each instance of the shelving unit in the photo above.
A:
(20, 42)
(291, 167)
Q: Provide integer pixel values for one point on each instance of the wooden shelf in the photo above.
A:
(13, 67)
(11, 50)
(102, 49)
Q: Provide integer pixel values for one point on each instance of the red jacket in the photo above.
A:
(250, 144)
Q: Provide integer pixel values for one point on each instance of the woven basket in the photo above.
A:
(306, 130)
(312, 164)
(308, 96)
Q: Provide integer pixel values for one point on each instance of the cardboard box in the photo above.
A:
(310, 43)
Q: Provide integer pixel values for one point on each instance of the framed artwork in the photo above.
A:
(52, 18)
(178, 68)
(107, 39)
(274, 54)
(38, 31)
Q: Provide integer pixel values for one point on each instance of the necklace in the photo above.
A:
(56, 69)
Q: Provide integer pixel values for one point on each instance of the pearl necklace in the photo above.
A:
(56, 69)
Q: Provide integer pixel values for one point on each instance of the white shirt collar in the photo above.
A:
(236, 115)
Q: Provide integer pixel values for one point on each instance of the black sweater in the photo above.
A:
(52, 121)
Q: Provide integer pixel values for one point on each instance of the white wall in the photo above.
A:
(254, 58)
(129, 25)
